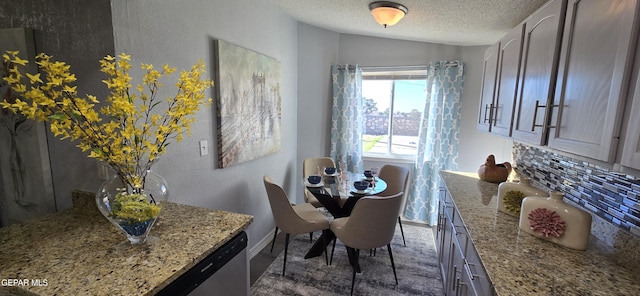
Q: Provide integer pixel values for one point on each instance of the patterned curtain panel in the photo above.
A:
(347, 119)
(438, 139)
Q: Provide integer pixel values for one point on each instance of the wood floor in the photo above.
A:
(260, 262)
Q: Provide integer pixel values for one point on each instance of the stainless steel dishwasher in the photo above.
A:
(224, 272)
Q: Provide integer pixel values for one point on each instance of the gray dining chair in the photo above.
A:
(293, 219)
(397, 179)
(371, 225)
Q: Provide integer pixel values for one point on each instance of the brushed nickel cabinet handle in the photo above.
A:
(488, 109)
(466, 266)
(455, 229)
(535, 116)
(457, 288)
(460, 285)
(455, 271)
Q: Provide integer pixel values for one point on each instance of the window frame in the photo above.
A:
(392, 73)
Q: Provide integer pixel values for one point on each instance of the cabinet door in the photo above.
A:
(630, 156)
(456, 269)
(539, 68)
(476, 273)
(507, 82)
(459, 231)
(440, 229)
(593, 75)
(489, 77)
(465, 286)
(445, 247)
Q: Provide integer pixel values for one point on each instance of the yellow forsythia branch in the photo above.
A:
(129, 132)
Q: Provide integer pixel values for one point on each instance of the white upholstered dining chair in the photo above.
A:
(293, 219)
(310, 167)
(371, 225)
(397, 179)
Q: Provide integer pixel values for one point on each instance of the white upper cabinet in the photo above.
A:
(539, 68)
(489, 75)
(594, 71)
(630, 156)
(507, 82)
(567, 86)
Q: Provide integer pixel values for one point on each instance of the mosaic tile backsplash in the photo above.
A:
(612, 196)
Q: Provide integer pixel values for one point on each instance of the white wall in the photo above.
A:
(317, 51)
(372, 51)
(180, 33)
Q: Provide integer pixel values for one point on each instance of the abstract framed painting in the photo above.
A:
(249, 112)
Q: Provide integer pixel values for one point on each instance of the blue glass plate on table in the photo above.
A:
(306, 183)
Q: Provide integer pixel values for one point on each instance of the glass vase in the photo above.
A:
(133, 210)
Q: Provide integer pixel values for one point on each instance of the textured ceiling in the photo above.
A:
(455, 22)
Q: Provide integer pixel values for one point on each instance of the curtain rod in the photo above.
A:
(391, 68)
(418, 67)
(386, 68)
(344, 66)
(452, 63)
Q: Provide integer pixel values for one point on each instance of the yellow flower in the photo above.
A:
(34, 78)
(70, 89)
(19, 61)
(132, 128)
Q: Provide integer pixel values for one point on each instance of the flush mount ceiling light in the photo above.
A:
(387, 13)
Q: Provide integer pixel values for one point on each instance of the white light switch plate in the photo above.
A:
(204, 148)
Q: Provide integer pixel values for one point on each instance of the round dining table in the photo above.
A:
(338, 196)
(340, 187)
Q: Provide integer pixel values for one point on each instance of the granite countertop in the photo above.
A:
(78, 252)
(520, 264)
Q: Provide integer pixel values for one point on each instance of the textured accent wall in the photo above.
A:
(612, 196)
(79, 33)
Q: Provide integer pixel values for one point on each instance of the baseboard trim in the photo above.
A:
(265, 241)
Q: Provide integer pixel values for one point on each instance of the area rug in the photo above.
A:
(416, 265)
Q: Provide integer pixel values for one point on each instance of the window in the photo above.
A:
(393, 105)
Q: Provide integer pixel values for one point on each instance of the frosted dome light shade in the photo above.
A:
(387, 13)
(387, 16)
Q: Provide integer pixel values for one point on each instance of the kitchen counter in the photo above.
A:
(78, 252)
(520, 264)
